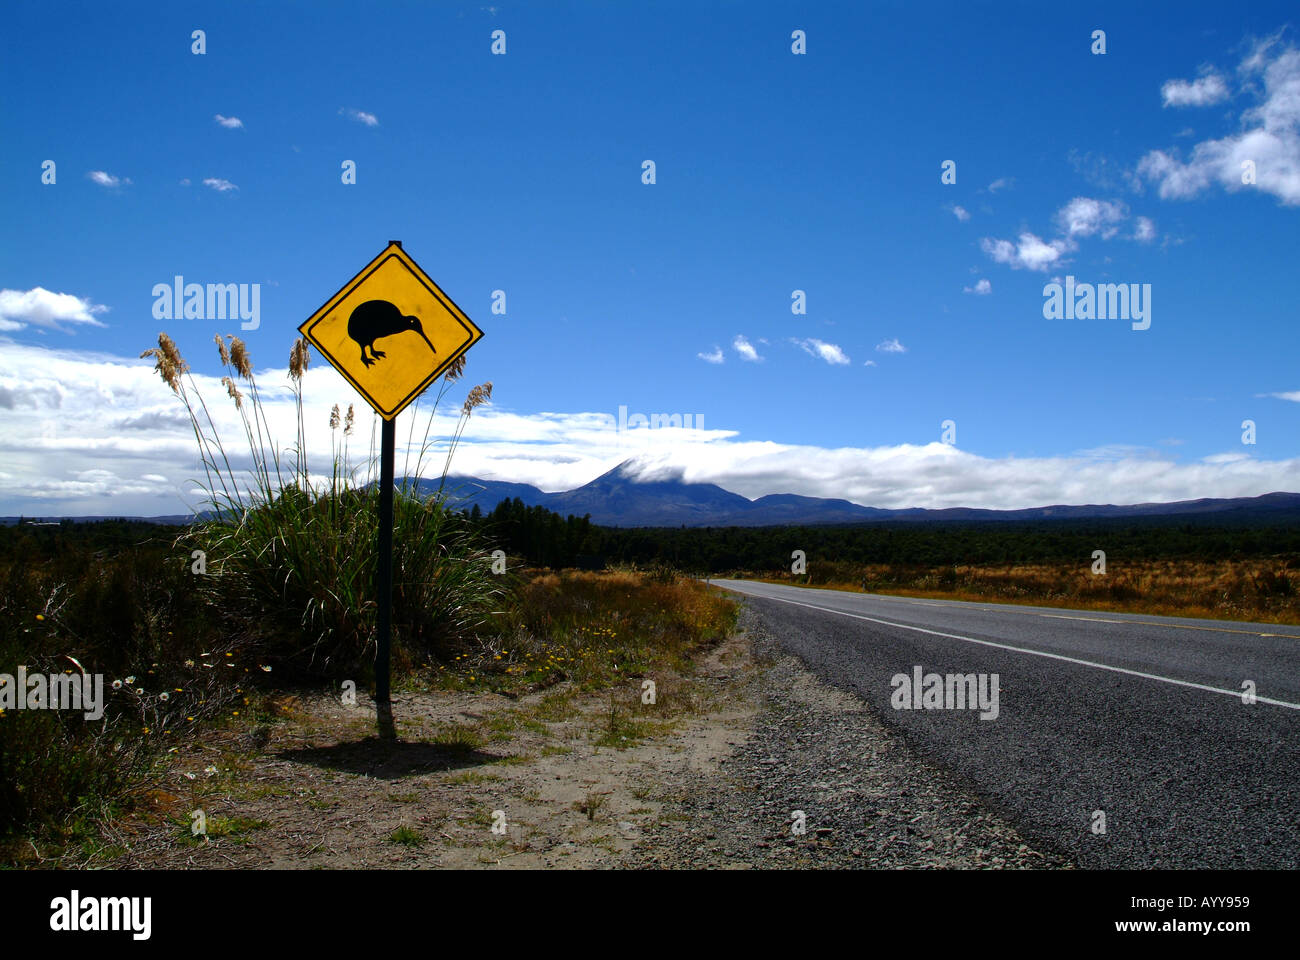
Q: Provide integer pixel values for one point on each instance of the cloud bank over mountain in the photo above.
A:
(87, 433)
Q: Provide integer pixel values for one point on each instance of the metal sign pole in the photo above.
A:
(422, 333)
(384, 574)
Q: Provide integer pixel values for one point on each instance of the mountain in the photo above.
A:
(172, 520)
(790, 508)
(622, 498)
(626, 497)
(486, 493)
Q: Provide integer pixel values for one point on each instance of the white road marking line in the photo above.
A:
(1036, 653)
(1011, 608)
(1061, 616)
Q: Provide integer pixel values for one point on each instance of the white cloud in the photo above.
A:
(1203, 92)
(230, 123)
(1084, 216)
(1030, 252)
(891, 346)
(41, 308)
(219, 185)
(745, 349)
(1116, 451)
(66, 451)
(107, 179)
(939, 475)
(1098, 169)
(65, 413)
(829, 352)
(360, 116)
(1001, 184)
(1232, 457)
(961, 213)
(1293, 395)
(1178, 181)
(982, 288)
(1144, 230)
(1269, 137)
(869, 363)
(715, 357)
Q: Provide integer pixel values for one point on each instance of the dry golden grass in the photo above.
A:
(1263, 590)
(596, 629)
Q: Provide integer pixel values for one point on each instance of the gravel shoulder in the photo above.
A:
(711, 776)
(867, 800)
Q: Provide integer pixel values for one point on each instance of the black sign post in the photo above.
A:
(424, 333)
(384, 573)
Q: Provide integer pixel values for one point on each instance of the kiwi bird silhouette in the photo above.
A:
(379, 318)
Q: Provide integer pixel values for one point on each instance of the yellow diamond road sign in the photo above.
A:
(391, 331)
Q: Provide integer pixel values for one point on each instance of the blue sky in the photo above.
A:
(774, 172)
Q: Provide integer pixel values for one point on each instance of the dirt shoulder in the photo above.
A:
(709, 775)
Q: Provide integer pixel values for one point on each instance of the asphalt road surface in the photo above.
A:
(1137, 718)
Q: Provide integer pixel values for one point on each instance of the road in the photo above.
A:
(1140, 718)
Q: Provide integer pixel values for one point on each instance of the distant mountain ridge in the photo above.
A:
(620, 498)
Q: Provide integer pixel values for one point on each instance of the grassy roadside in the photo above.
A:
(322, 792)
(533, 721)
(604, 657)
(631, 638)
(205, 634)
(591, 629)
(188, 630)
(1261, 591)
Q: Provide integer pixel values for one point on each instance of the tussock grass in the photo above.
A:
(234, 829)
(296, 551)
(407, 837)
(458, 739)
(288, 587)
(287, 595)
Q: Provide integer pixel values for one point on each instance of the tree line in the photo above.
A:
(543, 537)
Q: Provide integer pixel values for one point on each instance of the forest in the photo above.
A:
(543, 537)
